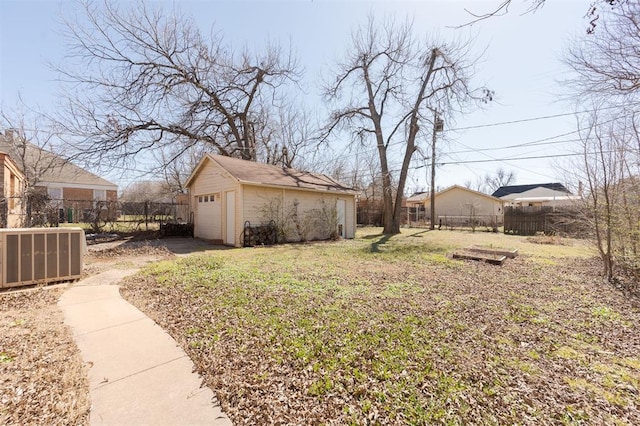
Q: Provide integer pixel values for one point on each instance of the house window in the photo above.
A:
(99, 196)
(55, 194)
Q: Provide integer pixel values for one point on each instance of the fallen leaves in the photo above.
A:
(42, 379)
(332, 334)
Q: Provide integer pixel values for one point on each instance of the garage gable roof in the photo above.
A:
(250, 172)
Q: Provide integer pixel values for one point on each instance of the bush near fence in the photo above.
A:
(119, 216)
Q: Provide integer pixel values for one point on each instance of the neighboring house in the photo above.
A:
(459, 206)
(72, 189)
(536, 195)
(227, 194)
(12, 180)
(76, 190)
(417, 200)
(416, 211)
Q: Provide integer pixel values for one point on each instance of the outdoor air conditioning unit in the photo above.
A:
(40, 255)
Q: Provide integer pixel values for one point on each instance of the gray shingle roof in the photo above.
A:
(266, 174)
(45, 166)
(517, 189)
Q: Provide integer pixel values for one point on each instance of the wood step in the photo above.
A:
(491, 259)
(511, 254)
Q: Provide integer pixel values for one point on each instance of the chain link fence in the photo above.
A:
(100, 215)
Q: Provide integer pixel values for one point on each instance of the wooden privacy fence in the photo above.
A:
(469, 221)
(548, 220)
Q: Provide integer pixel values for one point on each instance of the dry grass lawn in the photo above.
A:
(384, 330)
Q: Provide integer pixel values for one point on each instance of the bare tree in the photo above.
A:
(177, 162)
(385, 93)
(289, 137)
(500, 10)
(606, 66)
(501, 177)
(31, 140)
(607, 63)
(147, 191)
(139, 78)
(592, 14)
(475, 185)
(610, 168)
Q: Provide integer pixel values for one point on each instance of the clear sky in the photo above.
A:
(521, 64)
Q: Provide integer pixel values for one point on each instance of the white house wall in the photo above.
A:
(538, 192)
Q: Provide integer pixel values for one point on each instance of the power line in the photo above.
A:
(537, 142)
(491, 160)
(542, 117)
(523, 145)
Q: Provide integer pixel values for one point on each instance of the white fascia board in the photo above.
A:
(77, 186)
(533, 199)
(298, 188)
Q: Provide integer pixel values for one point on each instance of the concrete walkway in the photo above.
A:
(137, 373)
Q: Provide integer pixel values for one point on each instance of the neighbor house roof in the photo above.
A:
(49, 168)
(250, 172)
(462, 188)
(418, 197)
(517, 189)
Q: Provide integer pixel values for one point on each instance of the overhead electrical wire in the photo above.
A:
(543, 117)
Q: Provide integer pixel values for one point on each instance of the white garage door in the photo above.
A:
(208, 223)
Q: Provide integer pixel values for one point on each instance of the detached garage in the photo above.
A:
(229, 195)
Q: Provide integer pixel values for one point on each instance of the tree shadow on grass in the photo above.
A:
(375, 246)
(419, 234)
(371, 237)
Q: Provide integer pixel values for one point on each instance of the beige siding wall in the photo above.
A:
(262, 204)
(257, 200)
(211, 180)
(464, 203)
(13, 186)
(237, 218)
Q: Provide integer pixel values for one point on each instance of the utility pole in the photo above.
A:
(438, 126)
